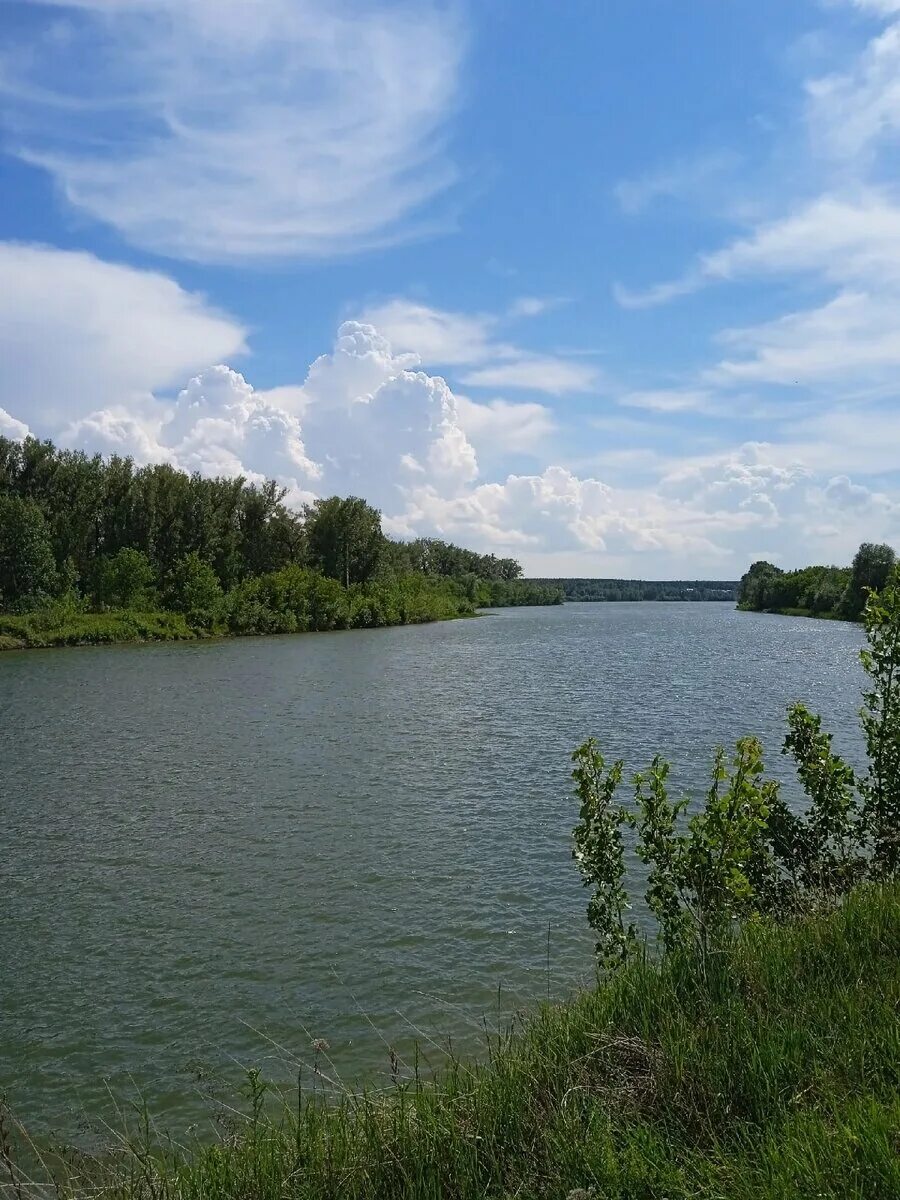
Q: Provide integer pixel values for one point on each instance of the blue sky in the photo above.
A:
(611, 286)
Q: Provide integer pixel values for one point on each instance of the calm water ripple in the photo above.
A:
(208, 846)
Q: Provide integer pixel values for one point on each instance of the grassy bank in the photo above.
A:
(42, 629)
(772, 1069)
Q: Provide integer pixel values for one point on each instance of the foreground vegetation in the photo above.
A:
(753, 1054)
(832, 592)
(770, 1069)
(98, 550)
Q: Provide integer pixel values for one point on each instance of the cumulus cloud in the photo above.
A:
(17, 431)
(367, 419)
(221, 131)
(747, 484)
(219, 423)
(844, 493)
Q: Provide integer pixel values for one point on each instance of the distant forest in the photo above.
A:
(641, 589)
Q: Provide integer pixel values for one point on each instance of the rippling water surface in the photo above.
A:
(214, 853)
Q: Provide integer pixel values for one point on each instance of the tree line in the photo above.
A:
(99, 534)
(823, 591)
(642, 589)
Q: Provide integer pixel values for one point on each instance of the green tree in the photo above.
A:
(194, 589)
(344, 538)
(758, 587)
(881, 723)
(123, 580)
(600, 854)
(28, 573)
(872, 564)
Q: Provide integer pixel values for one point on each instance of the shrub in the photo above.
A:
(124, 580)
(744, 853)
(194, 590)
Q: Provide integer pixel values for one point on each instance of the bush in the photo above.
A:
(194, 590)
(744, 854)
(124, 580)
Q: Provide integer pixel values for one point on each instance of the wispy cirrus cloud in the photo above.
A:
(224, 131)
(687, 179)
(474, 344)
(840, 242)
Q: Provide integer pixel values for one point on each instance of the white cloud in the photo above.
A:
(17, 431)
(851, 112)
(371, 420)
(687, 179)
(747, 479)
(861, 440)
(853, 339)
(439, 338)
(218, 419)
(841, 491)
(669, 400)
(848, 234)
(500, 427)
(221, 130)
(535, 372)
(533, 306)
(368, 420)
(116, 430)
(883, 8)
(658, 293)
(77, 333)
(435, 336)
(837, 238)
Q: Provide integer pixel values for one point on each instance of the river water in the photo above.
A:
(214, 853)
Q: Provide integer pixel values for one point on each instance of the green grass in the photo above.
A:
(72, 628)
(772, 1069)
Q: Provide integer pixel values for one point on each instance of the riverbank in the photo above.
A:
(38, 632)
(292, 600)
(770, 1069)
(43, 630)
(800, 612)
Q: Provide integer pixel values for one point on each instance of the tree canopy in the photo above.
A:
(819, 590)
(103, 534)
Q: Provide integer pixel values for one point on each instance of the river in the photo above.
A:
(214, 853)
